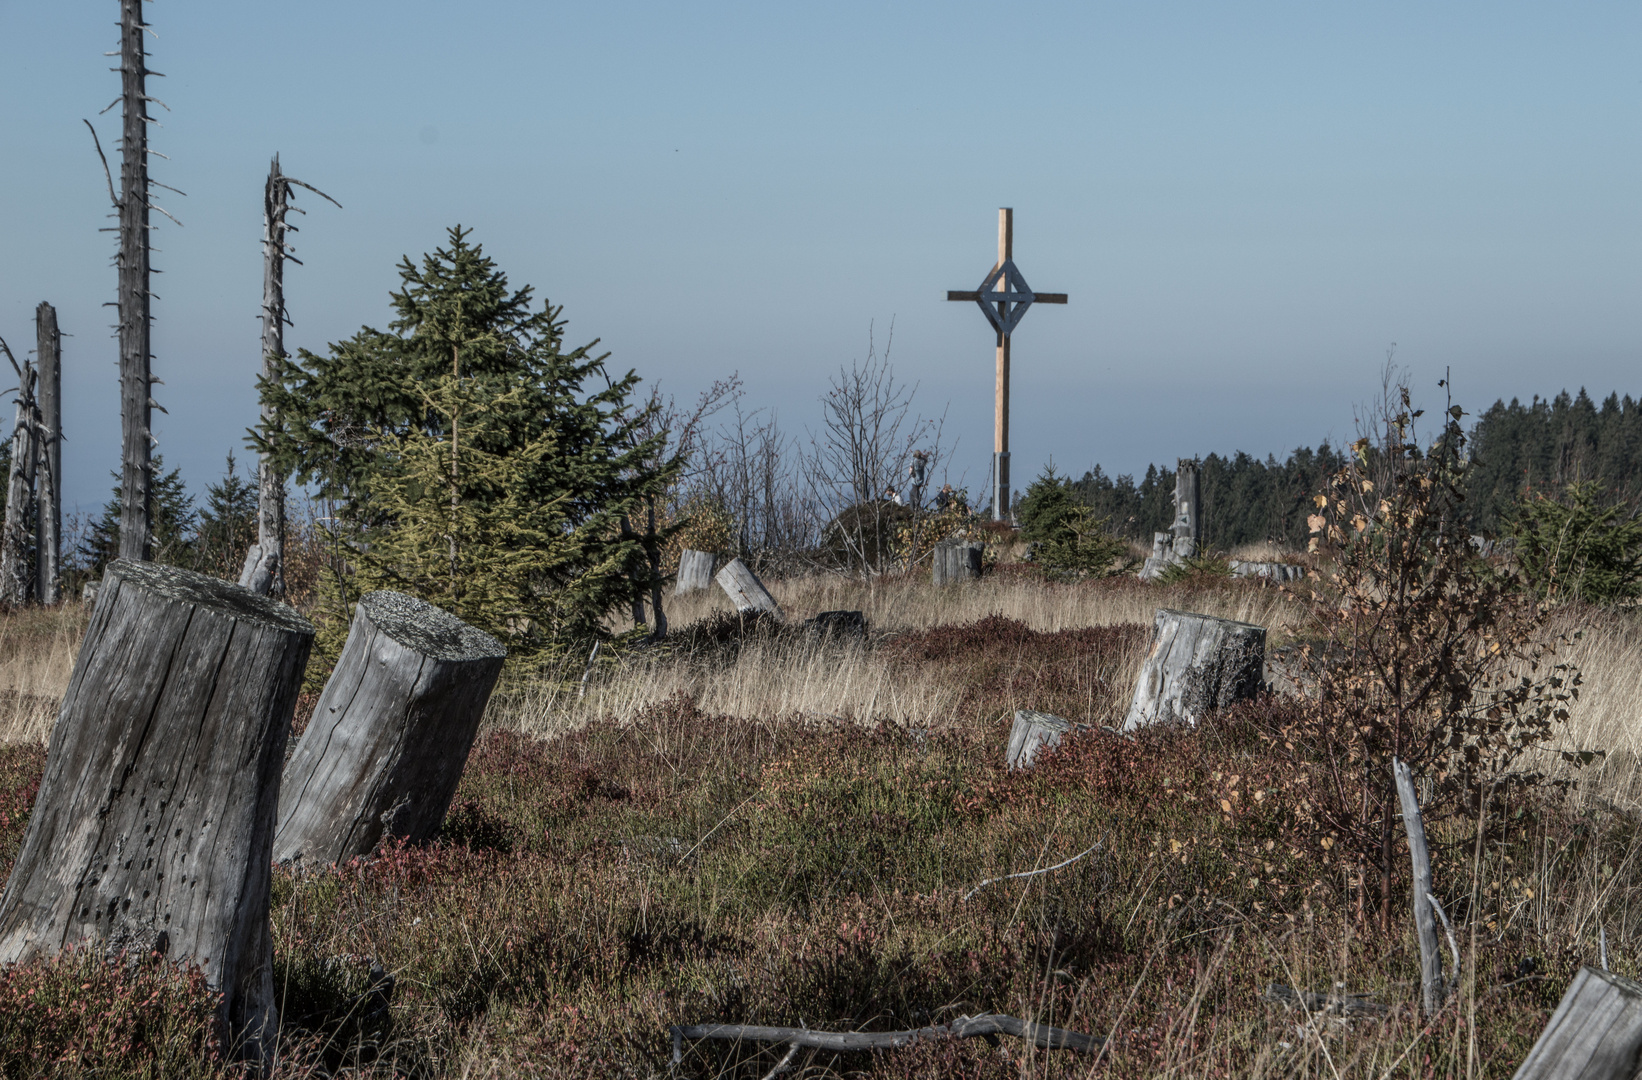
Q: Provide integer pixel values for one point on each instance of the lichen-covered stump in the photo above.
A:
(1595, 1033)
(154, 825)
(390, 734)
(1197, 664)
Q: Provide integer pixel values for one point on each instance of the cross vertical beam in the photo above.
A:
(1000, 420)
(1004, 297)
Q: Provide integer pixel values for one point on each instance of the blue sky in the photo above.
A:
(1248, 203)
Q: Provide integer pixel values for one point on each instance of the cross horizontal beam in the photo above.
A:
(1037, 298)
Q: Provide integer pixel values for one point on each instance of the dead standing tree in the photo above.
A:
(131, 205)
(14, 538)
(264, 570)
(48, 453)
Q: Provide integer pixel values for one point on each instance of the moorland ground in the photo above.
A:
(753, 826)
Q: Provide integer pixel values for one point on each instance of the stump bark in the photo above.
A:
(1032, 732)
(1595, 1033)
(956, 560)
(1197, 665)
(746, 592)
(695, 572)
(390, 734)
(154, 824)
(1271, 571)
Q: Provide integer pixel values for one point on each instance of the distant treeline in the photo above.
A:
(1245, 500)
(1516, 449)
(1546, 445)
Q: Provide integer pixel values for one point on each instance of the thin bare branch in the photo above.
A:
(106, 174)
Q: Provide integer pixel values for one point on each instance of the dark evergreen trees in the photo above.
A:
(227, 523)
(171, 524)
(472, 458)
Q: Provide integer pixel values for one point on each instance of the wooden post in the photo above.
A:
(48, 470)
(135, 380)
(390, 734)
(154, 824)
(1197, 665)
(1595, 1033)
(1432, 987)
(746, 592)
(16, 584)
(695, 572)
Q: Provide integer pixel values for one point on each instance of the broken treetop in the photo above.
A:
(202, 590)
(430, 631)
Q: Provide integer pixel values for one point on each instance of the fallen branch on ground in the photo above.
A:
(1031, 873)
(1340, 1004)
(987, 1024)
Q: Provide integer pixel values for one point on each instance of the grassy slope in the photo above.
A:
(675, 866)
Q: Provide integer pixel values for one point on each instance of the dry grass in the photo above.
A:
(37, 650)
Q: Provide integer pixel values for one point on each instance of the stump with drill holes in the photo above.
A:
(154, 824)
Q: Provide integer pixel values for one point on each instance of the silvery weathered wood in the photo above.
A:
(154, 824)
(1432, 987)
(1197, 664)
(1595, 1033)
(956, 560)
(16, 584)
(48, 469)
(1031, 732)
(746, 592)
(1161, 558)
(390, 734)
(1188, 507)
(136, 380)
(1271, 571)
(695, 572)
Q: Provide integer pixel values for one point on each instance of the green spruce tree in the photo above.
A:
(472, 459)
(172, 522)
(227, 523)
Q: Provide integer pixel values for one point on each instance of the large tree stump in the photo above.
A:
(956, 560)
(154, 823)
(390, 734)
(746, 592)
(695, 572)
(1595, 1033)
(1197, 664)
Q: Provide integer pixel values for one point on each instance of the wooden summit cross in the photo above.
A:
(1004, 297)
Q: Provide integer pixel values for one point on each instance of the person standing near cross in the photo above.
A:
(1004, 297)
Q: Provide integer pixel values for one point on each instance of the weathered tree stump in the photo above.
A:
(390, 734)
(746, 592)
(1271, 571)
(1197, 664)
(695, 572)
(1032, 732)
(154, 824)
(956, 560)
(1595, 1033)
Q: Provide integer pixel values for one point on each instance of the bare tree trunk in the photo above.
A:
(14, 540)
(264, 570)
(652, 552)
(135, 383)
(48, 520)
